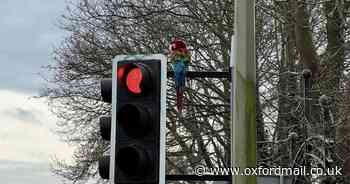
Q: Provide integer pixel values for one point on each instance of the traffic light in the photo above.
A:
(105, 128)
(138, 120)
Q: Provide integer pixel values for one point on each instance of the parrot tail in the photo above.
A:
(179, 100)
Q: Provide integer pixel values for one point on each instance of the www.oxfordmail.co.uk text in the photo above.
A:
(201, 170)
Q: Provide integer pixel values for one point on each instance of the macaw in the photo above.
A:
(180, 58)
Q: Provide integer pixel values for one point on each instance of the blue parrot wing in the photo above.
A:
(179, 73)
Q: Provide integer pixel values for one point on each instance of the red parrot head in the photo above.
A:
(178, 45)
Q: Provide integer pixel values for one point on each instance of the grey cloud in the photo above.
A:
(27, 116)
(19, 172)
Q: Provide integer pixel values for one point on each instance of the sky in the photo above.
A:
(28, 34)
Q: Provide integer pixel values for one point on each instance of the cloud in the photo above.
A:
(25, 115)
(26, 129)
(19, 172)
(26, 145)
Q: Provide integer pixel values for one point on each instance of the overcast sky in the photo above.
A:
(27, 142)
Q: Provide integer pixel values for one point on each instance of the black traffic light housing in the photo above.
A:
(136, 129)
(138, 111)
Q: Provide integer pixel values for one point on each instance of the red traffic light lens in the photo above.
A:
(135, 77)
(133, 80)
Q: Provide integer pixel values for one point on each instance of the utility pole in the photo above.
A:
(243, 116)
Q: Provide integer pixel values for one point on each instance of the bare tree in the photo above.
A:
(99, 30)
(291, 36)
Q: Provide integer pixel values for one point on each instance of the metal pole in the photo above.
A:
(232, 86)
(307, 74)
(207, 74)
(198, 178)
(243, 128)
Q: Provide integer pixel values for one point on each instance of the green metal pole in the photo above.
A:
(243, 129)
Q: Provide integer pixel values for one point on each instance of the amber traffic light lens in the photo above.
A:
(135, 120)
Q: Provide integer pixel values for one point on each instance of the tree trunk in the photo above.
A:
(333, 68)
(308, 57)
(287, 86)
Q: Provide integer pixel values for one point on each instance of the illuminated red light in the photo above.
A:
(133, 80)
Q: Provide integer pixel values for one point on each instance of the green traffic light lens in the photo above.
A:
(133, 161)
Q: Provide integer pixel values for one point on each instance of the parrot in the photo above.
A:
(180, 58)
